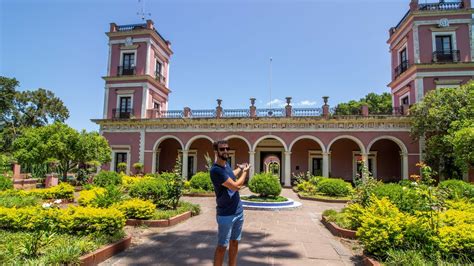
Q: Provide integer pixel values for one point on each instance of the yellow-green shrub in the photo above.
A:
(61, 191)
(456, 217)
(307, 187)
(128, 181)
(74, 220)
(87, 220)
(457, 239)
(381, 227)
(136, 208)
(461, 205)
(354, 213)
(87, 197)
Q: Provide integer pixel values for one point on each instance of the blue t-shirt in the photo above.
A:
(228, 201)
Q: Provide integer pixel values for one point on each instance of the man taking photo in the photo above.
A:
(229, 210)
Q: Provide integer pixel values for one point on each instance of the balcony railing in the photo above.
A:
(401, 68)
(125, 71)
(447, 56)
(131, 27)
(307, 112)
(160, 77)
(207, 113)
(236, 113)
(126, 113)
(441, 6)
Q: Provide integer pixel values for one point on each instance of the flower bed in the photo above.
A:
(322, 198)
(411, 222)
(264, 199)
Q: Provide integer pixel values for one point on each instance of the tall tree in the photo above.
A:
(26, 109)
(377, 103)
(438, 117)
(62, 144)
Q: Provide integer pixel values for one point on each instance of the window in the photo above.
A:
(120, 157)
(443, 43)
(403, 55)
(156, 105)
(125, 107)
(404, 100)
(316, 166)
(158, 68)
(128, 64)
(191, 169)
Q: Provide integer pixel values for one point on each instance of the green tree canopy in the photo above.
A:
(441, 117)
(26, 109)
(377, 103)
(62, 144)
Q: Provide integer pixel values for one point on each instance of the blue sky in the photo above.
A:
(221, 49)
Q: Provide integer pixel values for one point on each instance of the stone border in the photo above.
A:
(338, 231)
(368, 261)
(161, 223)
(322, 200)
(106, 252)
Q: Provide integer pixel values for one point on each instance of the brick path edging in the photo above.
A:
(368, 261)
(160, 223)
(106, 252)
(338, 231)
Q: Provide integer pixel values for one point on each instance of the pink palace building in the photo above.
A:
(430, 47)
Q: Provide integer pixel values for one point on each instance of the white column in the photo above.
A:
(252, 163)
(148, 59)
(419, 89)
(326, 164)
(287, 168)
(185, 164)
(141, 157)
(365, 158)
(405, 165)
(106, 101)
(145, 100)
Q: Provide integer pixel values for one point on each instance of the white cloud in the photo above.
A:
(306, 103)
(276, 103)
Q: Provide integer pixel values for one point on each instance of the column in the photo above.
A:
(252, 163)
(404, 165)
(326, 164)
(141, 158)
(287, 168)
(185, 164)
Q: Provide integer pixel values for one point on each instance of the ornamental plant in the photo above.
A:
(136, 208)
(106, 178)
(5, 183)
(334, 187)
(202, 180)
(265, 184)
(138, 167)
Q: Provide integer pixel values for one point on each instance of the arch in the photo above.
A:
(400, 143)
(158, 142)
(356, 140)
(323, 148)
(191, 140)
(269, 137)
(239, 137)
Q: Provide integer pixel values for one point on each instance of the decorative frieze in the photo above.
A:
(273, 124)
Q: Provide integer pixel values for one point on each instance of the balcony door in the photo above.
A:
(444, 49)
(125, 107)
(128, 64)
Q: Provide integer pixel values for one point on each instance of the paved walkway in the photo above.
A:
(291, 237)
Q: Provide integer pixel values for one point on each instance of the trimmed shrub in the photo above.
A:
(334, 187)
(152, 189)
(107, 178)
(12, 199)
(88, 197)
(265, 184)
(202, 180)
(5, 183)
(61, 191)
(306, 186)
(74, 220)
(136, 208)
(381, 227)
(167, 176)
(128, 181)
(458, 189)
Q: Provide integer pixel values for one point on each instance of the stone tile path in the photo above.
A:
(290, 237)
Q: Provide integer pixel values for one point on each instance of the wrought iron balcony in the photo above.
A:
(447, 56)
(126, 113)
(441, 6)
(160, 77)
(125, 71)
(401, 68)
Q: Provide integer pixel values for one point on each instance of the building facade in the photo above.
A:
(285, 141)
